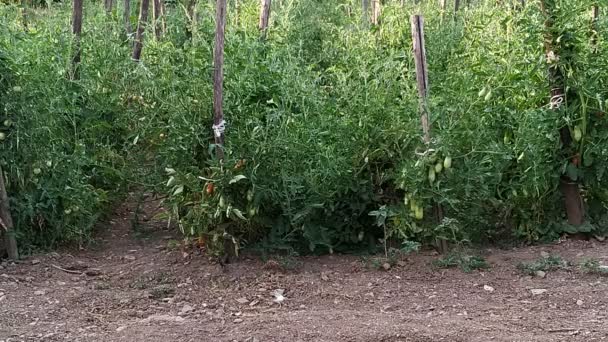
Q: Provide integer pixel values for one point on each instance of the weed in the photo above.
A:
(467, 263)
(593, 266)
(545, 264)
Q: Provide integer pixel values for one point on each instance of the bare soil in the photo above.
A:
(135, 287)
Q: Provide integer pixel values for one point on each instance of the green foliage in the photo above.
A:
(323, 125)
(545, 264)
(467, 263)
(593, 266)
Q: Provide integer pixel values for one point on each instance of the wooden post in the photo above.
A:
(141, 28)
(573, 200)
(422, 81)
(264, 16)
(6, 221)
(218, 78)
(126, 17)
(77, 31)
(376, 9)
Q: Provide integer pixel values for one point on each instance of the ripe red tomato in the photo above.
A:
(210, 189)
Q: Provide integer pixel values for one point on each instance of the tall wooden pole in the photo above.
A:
(141, 28)
(77, 32)
(218, 78)
(6, 221)
(264, 16)
(422, 81)
(575, 210)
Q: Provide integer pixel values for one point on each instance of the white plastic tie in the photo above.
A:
(219, 129)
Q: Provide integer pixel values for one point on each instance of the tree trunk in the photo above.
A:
(126, 17)
(376, 9)
(264, 16)
(6, 220)
(573, 200)
(218, 78)
(141, 28)
(77, 31)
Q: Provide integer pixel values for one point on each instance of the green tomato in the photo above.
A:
(447, 163)
(438, 168)
(578, 134)
(222, 202)
(488, 96)
(37, 171)
(432, 175)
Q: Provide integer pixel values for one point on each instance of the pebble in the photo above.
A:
(386, 266)
(540, 274)
(579, 302)
(242, 300)
(39, 293)
(186, 309)
(538, 291)
(488, 288)
(238, 320)
(544, 254)
(35, 262)
(119, 329)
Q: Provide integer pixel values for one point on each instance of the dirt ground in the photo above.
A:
(133, 287)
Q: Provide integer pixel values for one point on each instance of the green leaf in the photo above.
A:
(178, 190)
(239, 214)
(572, 171)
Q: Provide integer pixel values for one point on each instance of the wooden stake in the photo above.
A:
(376, 9)
(77, 31)
(218, 78)
(141, 28)
(264, 16)
(6, 221)
(573, 200)
(422, 81)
